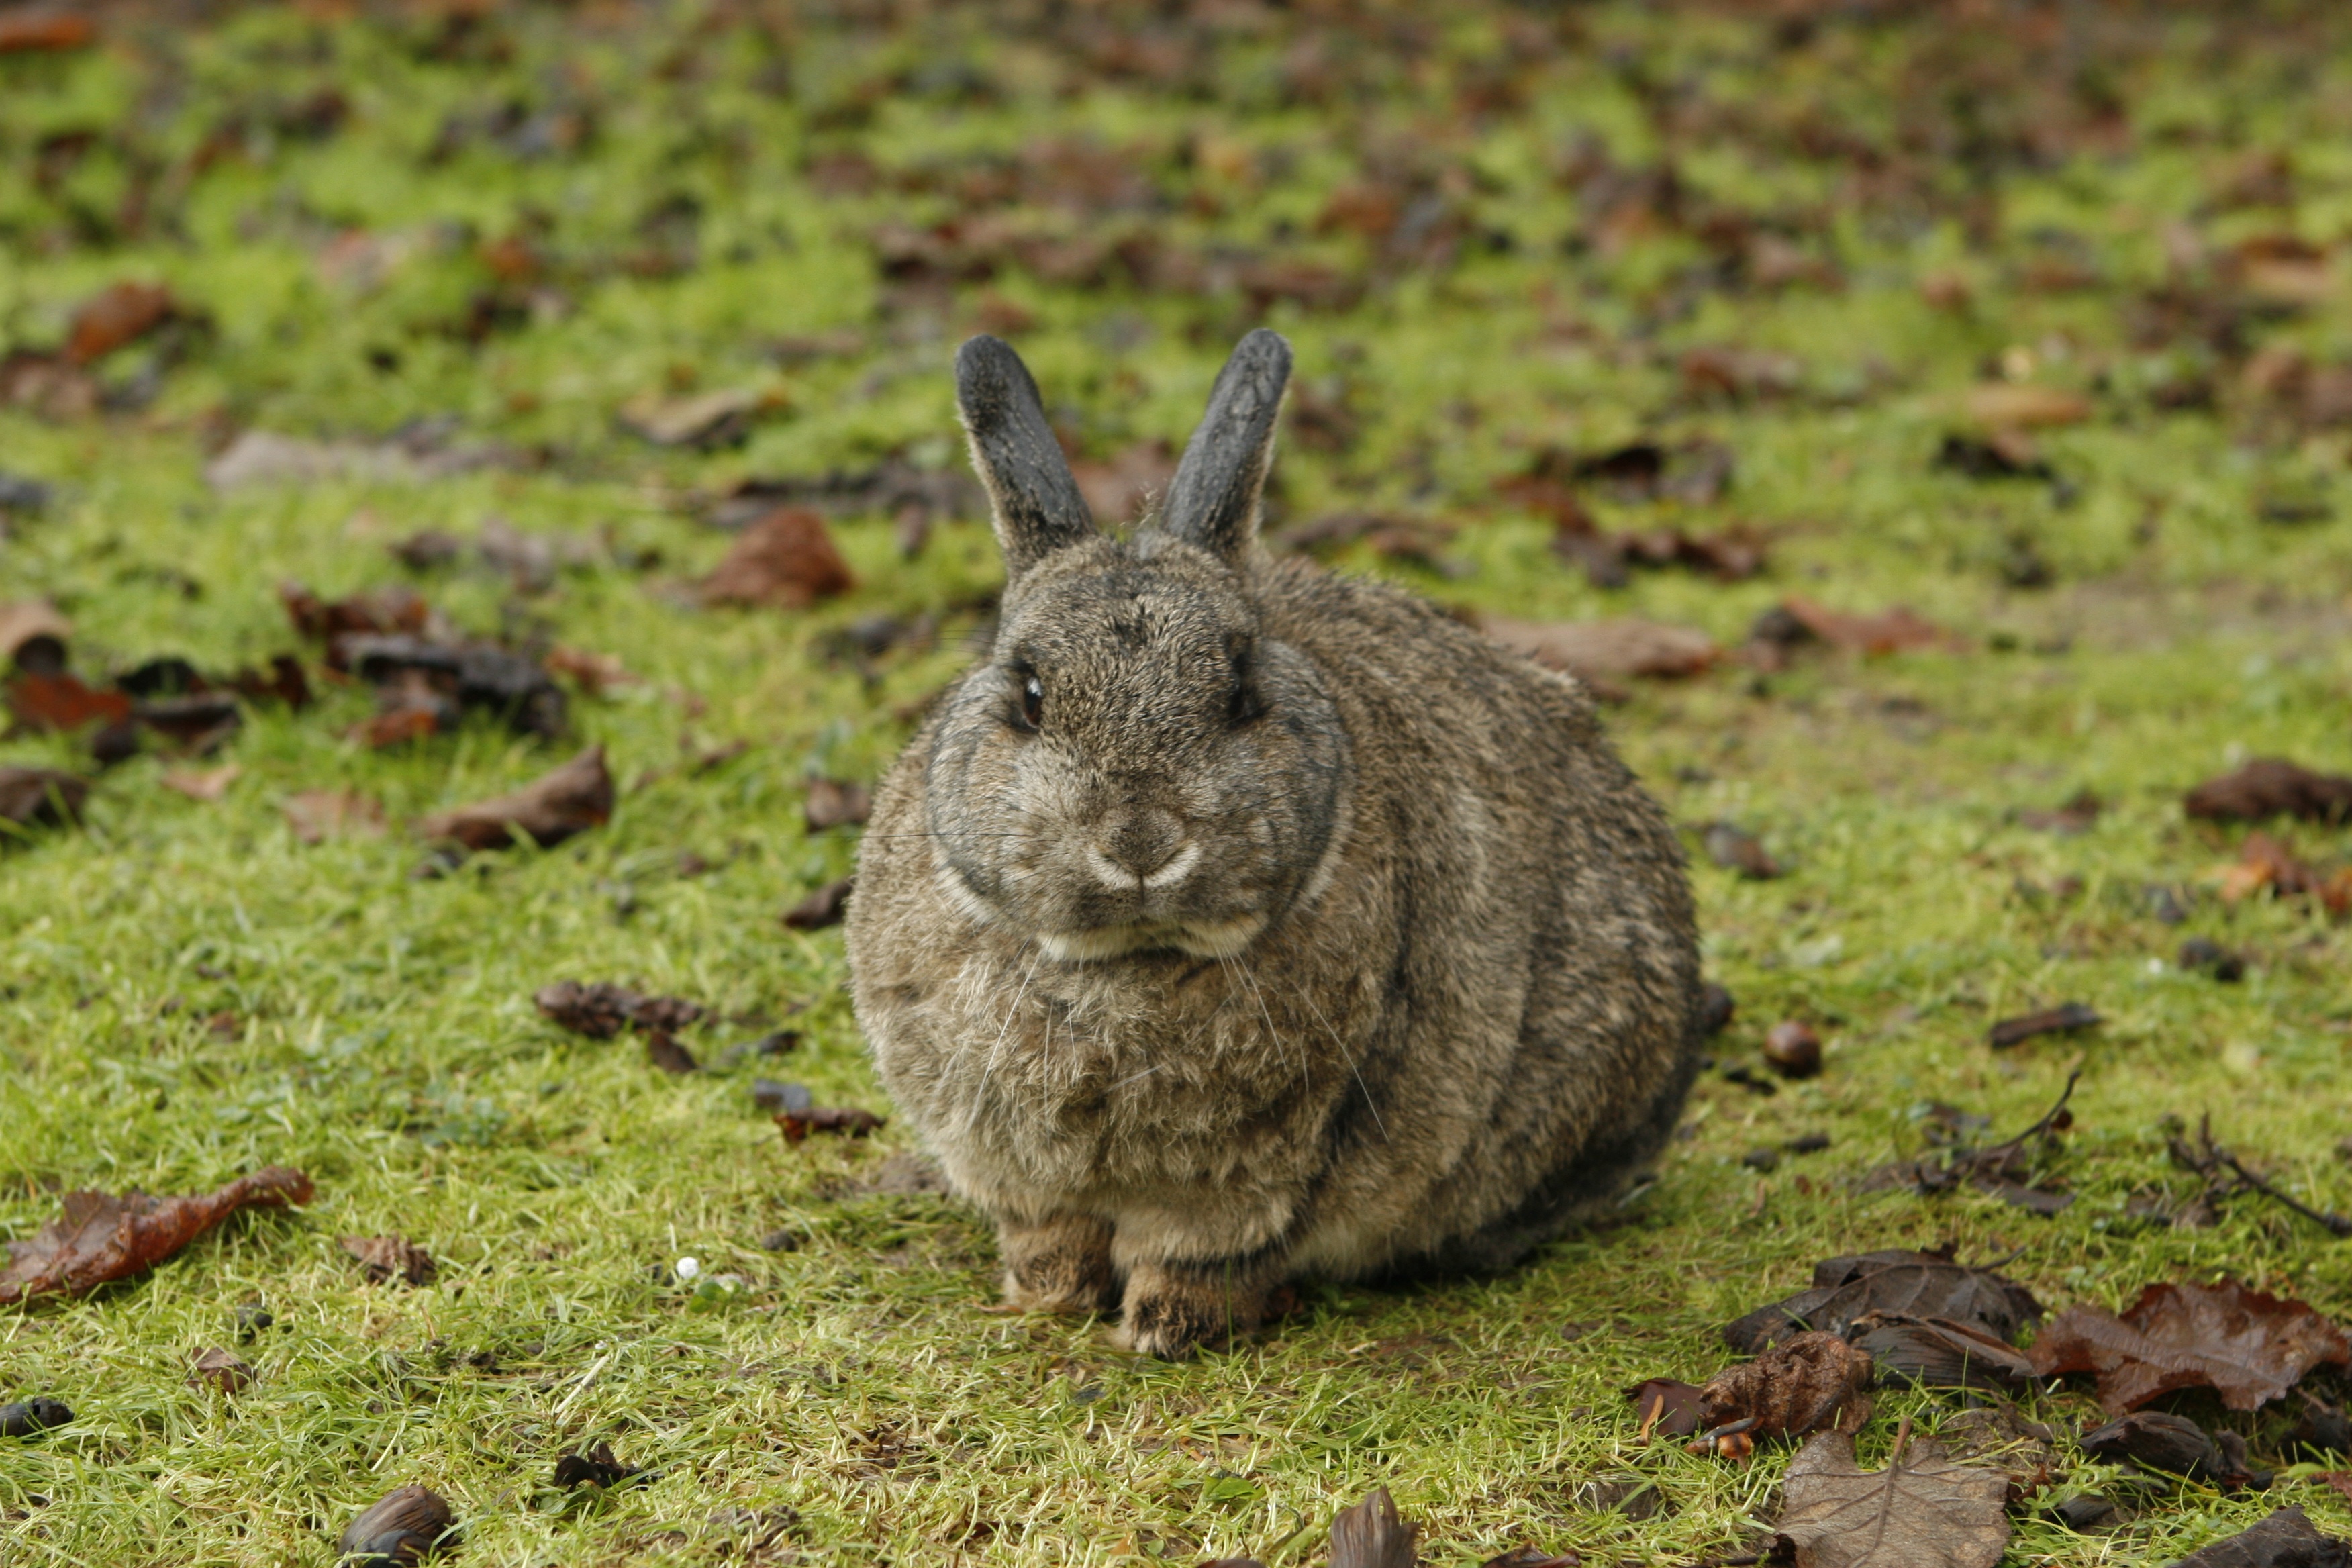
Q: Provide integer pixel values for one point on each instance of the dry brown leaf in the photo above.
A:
(61, 702)
(1925, 1284)
(2272, 786)
(222, 1369)
(831, 803)
(203, 783)
(119, 314)
(1667, 1407)
(30, 796)
(1921, 1511)
(39, 27)
(2021, 405)
(705, 419)
(384, 1258)
(784, 560)
(600, 1011)
(1889, 631)
(2287, 1539)
(318, 814)
(1798, 1385)
(33, 635)
(822, 908)
(99, 1238)
(573, 798)
(403, 1528)
(1600, 649)
(2249, 1346)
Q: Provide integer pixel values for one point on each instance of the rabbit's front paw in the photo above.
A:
(1173, 1309)
(1060, 1266)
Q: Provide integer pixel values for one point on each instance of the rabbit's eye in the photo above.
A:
(1033, 702)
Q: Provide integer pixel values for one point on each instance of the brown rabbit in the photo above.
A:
(1233, 921)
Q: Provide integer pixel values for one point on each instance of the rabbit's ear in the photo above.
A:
(1212, 501)
(1035, 501)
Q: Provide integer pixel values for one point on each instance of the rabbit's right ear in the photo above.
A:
(1034, 500)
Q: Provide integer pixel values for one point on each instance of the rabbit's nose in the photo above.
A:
(1144, 849)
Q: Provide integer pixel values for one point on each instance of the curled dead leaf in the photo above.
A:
(571, 800)
(786, 560)
(2248, 1346)
(99, 1238)
(1798, 1385)
(384, 1258)
(40, 796)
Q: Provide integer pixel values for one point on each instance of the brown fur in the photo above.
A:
(1422, 994)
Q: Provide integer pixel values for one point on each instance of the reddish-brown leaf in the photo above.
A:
(1602, 649)
(222, 1369)
(116, 315)
(61, 702)
(849, 1120)
(316, 816)
(572, 799)
(1667, 1407)
(599, 1011)
(2248, 1346)
(99, 1237)
(831, 803)
(37, 27)
(2287, 1539)
(1926, 1284)
(784, 560)
(1372, 1535)
(1889, 631)
(1921, 1511)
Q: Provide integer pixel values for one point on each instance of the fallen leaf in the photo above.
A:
(383, 612)
(1997, 454)
(40, 795)
(29, 28)
(594, 673)
(117, 315)
(1391, 536)
(1938, 1352)
(1666, 1407)
(1800, 1384)
(596, 1466)
(822, 908)
(2159, 1440)
(2264, 862)
(831, 803)
(704, 421)
(1923, 1284)
(2272, 786)
(203, 783)
(33, 636)
(2203, 954)
(1792, 1050)
(1117, 489)
(316, 816)
(29, 1418)
(1889, 631)
(2248, 1346)
(849, 1120)
(222, 1369)
(1370, 1535)
(1600, 649)
(2287, 1539)
(268, 456)
(61, 702)
(99, 1238)
(384, 1258)
(600, 1011)
(663, 1050)
(2061, 1019)
(1735, 848)
(786, 560)
(1921, 1511)
(2024, 407)
(402, 1529)
(1534, 1557)
(571, 799)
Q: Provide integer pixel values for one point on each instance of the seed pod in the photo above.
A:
(407, 1526)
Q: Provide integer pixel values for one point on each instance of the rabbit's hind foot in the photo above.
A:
(1059, 1265)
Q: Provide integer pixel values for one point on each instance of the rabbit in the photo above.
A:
(1234, 921)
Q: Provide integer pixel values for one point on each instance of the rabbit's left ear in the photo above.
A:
(1212, 501)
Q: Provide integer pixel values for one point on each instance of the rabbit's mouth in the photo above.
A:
(1201, 939)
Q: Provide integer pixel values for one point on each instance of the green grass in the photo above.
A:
(385, 1038)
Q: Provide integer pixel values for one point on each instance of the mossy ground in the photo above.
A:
(383, 1034)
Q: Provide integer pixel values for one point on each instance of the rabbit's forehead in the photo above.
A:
(1125, 619)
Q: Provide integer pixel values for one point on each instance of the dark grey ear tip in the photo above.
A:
(986, 364)
(1266, 349)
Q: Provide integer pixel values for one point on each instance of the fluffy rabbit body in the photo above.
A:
(1233, 921)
